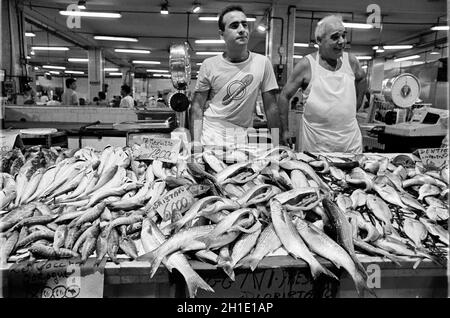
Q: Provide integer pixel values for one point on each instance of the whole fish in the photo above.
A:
(267, 242)
(428, 190)
(33, 220)
(306, 169)
(42, 251)
(368, 248)
(381, 211)
(90, 232)
(106, 192)
(152, 238)
(32, 185)
(89, 215)
(299, 199)
(321, 244)
(388, 194)
(341, 226)
(245, 244)
(415, 230)
(15, 216)
(423, 179)
(358, 198)
(436, 230)
(34, 236)
(401, 172)
(292, 241)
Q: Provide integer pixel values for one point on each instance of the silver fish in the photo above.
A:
(428, 190)
(415, 230)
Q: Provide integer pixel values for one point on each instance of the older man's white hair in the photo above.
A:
(321, 25)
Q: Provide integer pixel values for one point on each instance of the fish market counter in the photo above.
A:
(275, 277)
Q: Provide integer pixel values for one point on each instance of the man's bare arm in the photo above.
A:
(360, 80)
(273, 113)
(196, 118)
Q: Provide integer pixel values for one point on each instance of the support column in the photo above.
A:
(12, 43)
(95, 72)
(280, 46)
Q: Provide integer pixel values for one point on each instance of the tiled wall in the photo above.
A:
(69, 114)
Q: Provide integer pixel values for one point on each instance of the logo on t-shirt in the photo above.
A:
(236, 89)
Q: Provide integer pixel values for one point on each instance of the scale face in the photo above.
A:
(402, 90)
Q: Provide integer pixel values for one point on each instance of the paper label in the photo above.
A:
(56, 279)
(434, 158)
(163, 149)
(178, 200)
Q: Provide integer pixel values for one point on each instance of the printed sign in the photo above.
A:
(434, 158)
(178, 200)
(56, 279)
(163, 149)
(267, 283)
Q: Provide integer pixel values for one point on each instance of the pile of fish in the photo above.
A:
(230, 209)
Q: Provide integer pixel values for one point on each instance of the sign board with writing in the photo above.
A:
(177, 200)
(267, 283)
(163, 149)
(56, 279)
(434, 158)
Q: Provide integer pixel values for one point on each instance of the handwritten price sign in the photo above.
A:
(434, 158)
(178, 200)
(163, 149)
(56, 279)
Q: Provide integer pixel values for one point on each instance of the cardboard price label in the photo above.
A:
(178, 200)
(56, 279)
(163, 149)
(434, 158)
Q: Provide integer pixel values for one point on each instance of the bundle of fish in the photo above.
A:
(238, 208)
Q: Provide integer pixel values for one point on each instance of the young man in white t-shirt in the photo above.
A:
(127, 100)
(228, 86)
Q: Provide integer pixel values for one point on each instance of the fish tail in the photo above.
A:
(318, 270)
(194, 282)
(155, 264)
(360, 284)
(249, 261)
(227, 268)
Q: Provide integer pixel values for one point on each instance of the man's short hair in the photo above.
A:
(321, 25)
(225, 11)
(126, 88)
(101, 95)
(70, 81)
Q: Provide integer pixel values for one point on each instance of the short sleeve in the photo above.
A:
(203, 80)
(269, 81)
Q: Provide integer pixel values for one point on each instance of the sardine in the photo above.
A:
(292, 241)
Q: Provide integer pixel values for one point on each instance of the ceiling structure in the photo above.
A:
(403, 22)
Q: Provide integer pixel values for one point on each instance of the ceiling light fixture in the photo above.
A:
(146, 62)
(209, 41)
(30, 34)
(208, 53)
(77, 60)
(82, 4)
(32, 53)
(111, 69)
(196, 7)
(301, 44)
(49, 48)
(28, 57)
(407, 58)
(364, 67)
(74, 72)
(440, 28)
(115, 74)
(261, 28)
(91, 14)
(132, 51)
(357, 25)
(364, 57)
(434, 53)
(165, 8)
(114, 38)
(393, 47)
(55, 67)
(298, 56)
(54, 72)
(157, 71)
(198, 64)
(379, 50)
(249, 19)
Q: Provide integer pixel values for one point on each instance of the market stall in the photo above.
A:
(225, 220)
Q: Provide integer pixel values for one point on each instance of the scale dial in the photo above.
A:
(402, 90)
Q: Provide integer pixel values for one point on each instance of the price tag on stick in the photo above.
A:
(163, 149)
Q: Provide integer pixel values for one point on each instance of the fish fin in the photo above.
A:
(194, 282)
(249, 261)
(318, 270)
(146, 257)
(155, 264)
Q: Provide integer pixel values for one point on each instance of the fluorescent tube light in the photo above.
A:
(363, 57)
(208, 18)
(440, 28)
(146, 62)
(435, 53)
(261, 28)
(209, 41)
(114, 38)
(157, 71)
(357, 25)
(301, 44)
(407, 58)
(198, 64)
(115, 74)
(132, 51)
(209, 53)
(74, 72)
(49, 48)
(298, 56)
(54, 72)
(91, 14)
(30, 34)
(75, 60)
(397, 47)
(55, 67)
(111, 69)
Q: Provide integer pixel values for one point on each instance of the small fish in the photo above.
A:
(44, 251)
(411, 201)
(415, 230)
(60, 237)
(389, 194)
(381, 211)
(428, 190)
